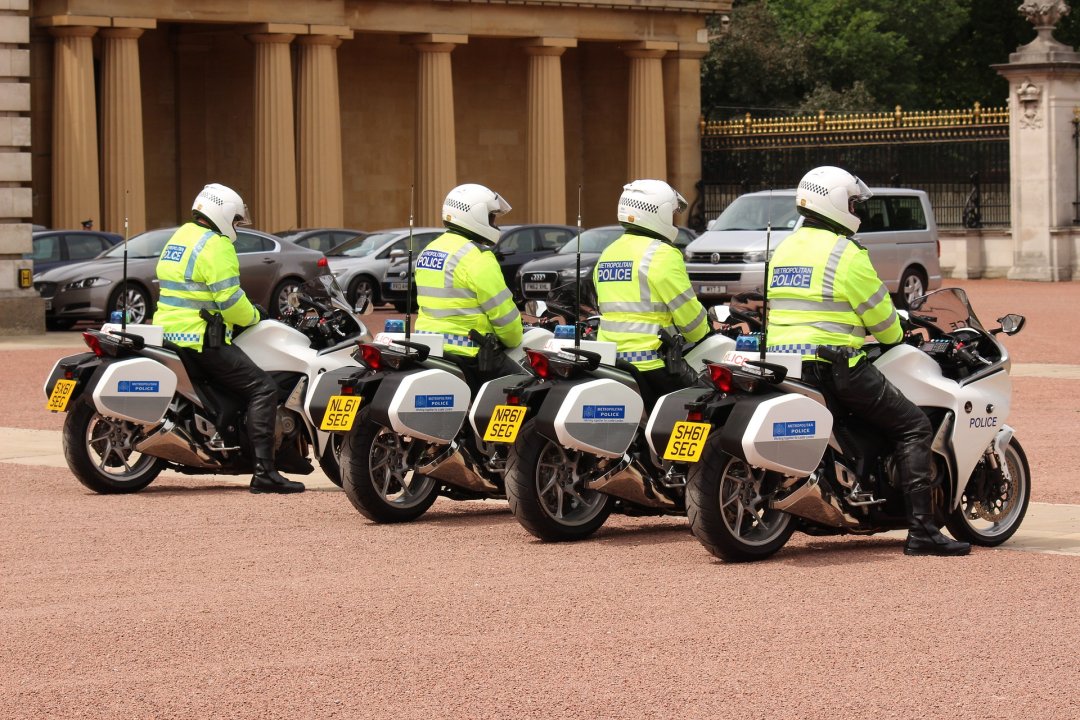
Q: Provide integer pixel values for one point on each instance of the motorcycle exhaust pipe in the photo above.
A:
(810, 501)
(628, 479)
(455, 467)
(171, 443)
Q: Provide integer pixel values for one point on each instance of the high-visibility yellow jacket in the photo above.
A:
(642, 287)
(823, 290)
(459, 288)
(198, 269)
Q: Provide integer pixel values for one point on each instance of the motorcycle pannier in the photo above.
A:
(138, 390)
(430, 404)
(784, 433)
(598, 417)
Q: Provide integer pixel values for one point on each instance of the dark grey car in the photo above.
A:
(270, 269)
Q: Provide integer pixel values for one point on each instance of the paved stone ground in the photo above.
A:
(195, 598)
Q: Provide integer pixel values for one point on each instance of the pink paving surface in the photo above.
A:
(197, 599)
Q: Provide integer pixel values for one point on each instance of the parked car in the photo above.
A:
(53, 248)
(898, 230)
(360, 263)
(538, 278)
(322, 239)
(517, 245)
(269, 270)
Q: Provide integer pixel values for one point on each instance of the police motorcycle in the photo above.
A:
(401, 420)
(136, 408)
(774, 459)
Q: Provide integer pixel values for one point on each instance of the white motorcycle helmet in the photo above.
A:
(223, 207)
(651, 205)
(830, 194)
(473, 208)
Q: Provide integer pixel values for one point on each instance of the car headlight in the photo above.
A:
(756, 257)
(90, 282)
(569, 273)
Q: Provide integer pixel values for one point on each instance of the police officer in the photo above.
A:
(824, 297)
(642, 288)
(198, 270)
(460, 287)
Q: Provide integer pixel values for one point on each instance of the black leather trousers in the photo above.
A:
(230, 368)
(874, 400)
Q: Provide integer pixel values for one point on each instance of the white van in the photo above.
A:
(898, 229)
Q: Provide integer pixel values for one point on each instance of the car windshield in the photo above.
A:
(593, 241)
(756, 212)
(361, 247)
(147, 245)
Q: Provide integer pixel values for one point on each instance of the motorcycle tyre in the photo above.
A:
(706, 517)
(524, 497)
(958, 526)
(76, 425)
(357, 482)
(329, 462)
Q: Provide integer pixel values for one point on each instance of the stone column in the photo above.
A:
(122, 132)
(320, 177)
(545, 163)
(682, 108)
(273, 206)
(436, 155)
(647, 142)
(1044, 88)
(75, 191)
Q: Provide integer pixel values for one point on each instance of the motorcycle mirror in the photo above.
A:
(719, 313)
(293, 299)
(364, 306)
(1011, 323)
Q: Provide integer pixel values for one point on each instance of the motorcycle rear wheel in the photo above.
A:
(543, 486)
(100, 452)
(727, 512)
(377, 478)
(329, 462)
(994, 518)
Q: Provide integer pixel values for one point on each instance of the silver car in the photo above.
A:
(270, 269)
(359, 264)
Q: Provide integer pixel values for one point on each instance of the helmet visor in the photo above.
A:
(681, 206)
(242, 218)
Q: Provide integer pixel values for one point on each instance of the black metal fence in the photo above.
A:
(960, 158)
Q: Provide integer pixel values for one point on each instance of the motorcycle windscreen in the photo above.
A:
(491, 393)
(138, 390)
(429, 404)
(787, 434)
(599, 417)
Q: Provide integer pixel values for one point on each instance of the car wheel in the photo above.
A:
(912, 285)
(135, 299)
(279, 300)
(360, 286)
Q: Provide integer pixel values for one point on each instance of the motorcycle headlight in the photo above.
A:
(90, 282)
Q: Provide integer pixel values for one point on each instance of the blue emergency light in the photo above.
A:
(564, 332)
(394, 326)
(748, 342)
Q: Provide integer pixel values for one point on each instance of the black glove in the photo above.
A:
(263, 315)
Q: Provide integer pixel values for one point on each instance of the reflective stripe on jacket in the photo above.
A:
(642, 287)
(459, 288)
(823, 290)
(198, 269)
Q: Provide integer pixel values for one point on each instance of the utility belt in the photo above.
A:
(839, 358)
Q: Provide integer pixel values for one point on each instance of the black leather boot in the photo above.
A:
(924, 537)
(268, 480)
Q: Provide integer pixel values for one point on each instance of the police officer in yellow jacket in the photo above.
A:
(642, 287)
(460, 287)
(824, 298)
(198, 271)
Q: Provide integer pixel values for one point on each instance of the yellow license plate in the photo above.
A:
(340, 412)
(687, 441)
(504, 424)
(61, 393)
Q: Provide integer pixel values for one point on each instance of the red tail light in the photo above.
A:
(539, 363)
(721, 377)
(92, 343)
(323, 262)
(694, 416)
(371, 356)
(512, 399)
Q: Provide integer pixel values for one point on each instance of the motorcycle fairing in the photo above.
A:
(138, 389)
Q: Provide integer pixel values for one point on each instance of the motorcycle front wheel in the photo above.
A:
(378, 478)
(994, 503)
(545, 489)
(727, 511)
(100, 451)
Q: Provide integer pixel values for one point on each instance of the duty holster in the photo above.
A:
(490, 356)
(838, 357)
(671, 352)
(214, 337)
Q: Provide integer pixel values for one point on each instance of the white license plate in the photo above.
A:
(537, 287)
(713, 289)
(399, 286)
